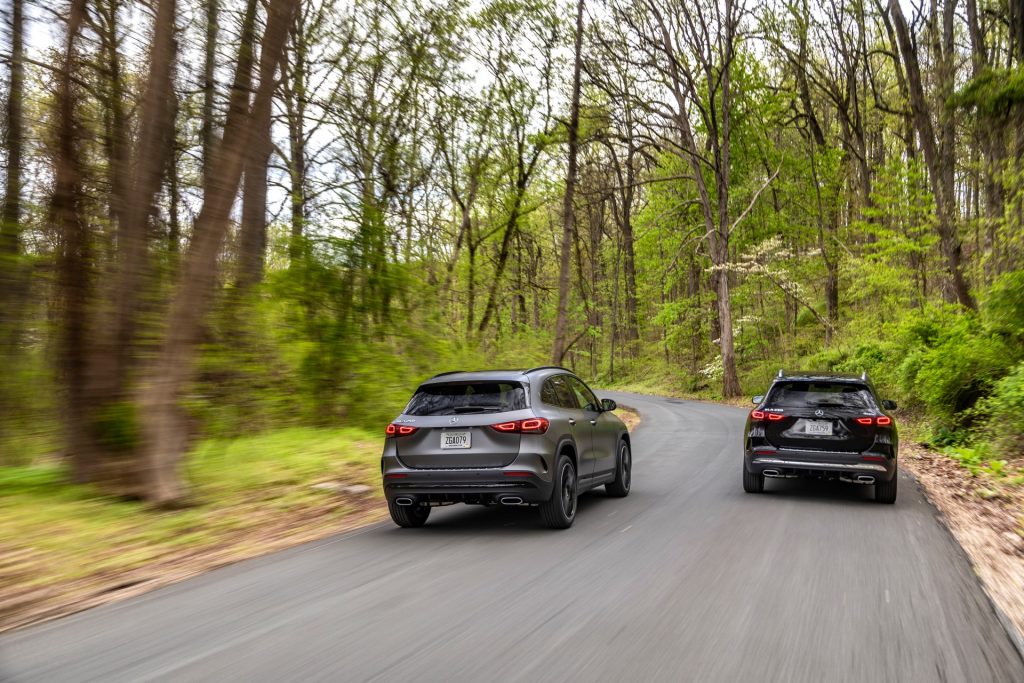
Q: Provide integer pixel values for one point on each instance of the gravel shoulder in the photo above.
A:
(987, 521)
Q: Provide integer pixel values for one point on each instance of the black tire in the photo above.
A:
(623, 473)
(560, 510)
(408, 516)
(753, 482)
(885, 491)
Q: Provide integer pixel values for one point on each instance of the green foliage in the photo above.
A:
(993, 92)
(1005, 411)
(948, 363)
(117, 427)
(1003, 307)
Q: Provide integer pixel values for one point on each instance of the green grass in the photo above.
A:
(52, 531)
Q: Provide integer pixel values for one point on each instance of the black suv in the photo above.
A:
(823, 425)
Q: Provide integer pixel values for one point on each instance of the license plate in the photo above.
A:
(455, 440)
(818, 428)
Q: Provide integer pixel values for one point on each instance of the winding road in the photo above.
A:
(687, 579)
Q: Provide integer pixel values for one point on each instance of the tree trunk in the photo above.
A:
(73, 261)
(209, 82)
(568, 211)
(148, 164)
(511, 226)
(10, 212)
(253, 237)
(165, 430)
(730, 378)
(295, 108)
(938, 157)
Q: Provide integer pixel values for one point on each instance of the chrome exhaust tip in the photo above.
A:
(865, 479)
(404, 502)
(511, 500)
(771, 473)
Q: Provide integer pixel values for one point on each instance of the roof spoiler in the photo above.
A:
(546, 367)
(864, 375)
(780, 373)
(450, 372)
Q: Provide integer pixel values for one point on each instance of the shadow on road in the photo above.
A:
(818, 491)
(456, 519)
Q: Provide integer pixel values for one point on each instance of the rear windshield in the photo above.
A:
(475, 397)
(821, 394)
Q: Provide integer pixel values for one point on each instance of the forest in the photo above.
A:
(230, 217)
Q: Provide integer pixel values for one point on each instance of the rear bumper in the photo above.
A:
(530, 483)
(787, 462)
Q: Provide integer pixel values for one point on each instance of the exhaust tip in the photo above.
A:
(511, 500)
(865, 479)
(770, 473)
(404, 502)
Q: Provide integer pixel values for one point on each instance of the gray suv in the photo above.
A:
(504, 437)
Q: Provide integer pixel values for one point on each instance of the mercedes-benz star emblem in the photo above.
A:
(819, 412)
(453, 421)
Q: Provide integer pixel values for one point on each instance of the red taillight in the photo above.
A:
(533, 425)
(775, 417)
(763, 415)
(882, 421)
(399, 430)
(758, 415)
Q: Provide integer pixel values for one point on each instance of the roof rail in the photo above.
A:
(546, 367)
(780, 373)
(450, 372)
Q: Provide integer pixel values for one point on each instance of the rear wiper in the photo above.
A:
(476, 409)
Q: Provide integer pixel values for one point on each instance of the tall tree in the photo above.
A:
(939, 148)
(10, 212)
(66, 213)
(165, 430)
(691, 49)
(209, 81)
(568, 210)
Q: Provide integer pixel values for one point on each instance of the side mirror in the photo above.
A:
(757, 399)
(608, 404)
(889, 405)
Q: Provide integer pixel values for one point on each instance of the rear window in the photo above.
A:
(461, 398)
(821, 394)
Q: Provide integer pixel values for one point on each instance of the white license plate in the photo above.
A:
(818, 428)
(455, 440)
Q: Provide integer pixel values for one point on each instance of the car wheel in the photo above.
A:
(753, 482)
(560, 510)
(623, 475)
(885, 491)
(408, 516)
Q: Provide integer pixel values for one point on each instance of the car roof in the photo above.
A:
(522, 375)
(819, 376)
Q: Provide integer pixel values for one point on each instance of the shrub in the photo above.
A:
(1005, 409)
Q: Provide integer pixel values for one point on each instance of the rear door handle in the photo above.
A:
(593, 422)
(572, 421)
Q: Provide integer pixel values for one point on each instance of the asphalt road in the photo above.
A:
(687, 579)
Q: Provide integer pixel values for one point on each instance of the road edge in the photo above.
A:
(1015, 634)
